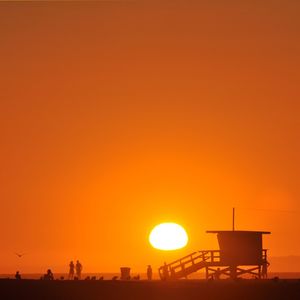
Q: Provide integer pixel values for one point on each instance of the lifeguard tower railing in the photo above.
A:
(196, 261)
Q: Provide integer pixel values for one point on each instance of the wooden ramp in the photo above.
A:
(189, 264)
(214, 266)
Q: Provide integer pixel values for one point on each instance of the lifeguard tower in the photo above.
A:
(240, 253)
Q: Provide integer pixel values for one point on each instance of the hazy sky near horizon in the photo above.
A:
(117, 116)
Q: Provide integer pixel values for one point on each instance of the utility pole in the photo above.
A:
(233, 219)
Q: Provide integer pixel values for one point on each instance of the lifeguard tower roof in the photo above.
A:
(238, 247)
(235, 231)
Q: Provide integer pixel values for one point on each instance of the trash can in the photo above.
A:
(125, 273)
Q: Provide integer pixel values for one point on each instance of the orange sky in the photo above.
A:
(117, 116)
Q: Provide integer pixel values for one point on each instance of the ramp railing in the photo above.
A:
(189, 264)
(195, 261)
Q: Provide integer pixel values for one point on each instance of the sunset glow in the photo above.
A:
(117, 116)
(168, 236)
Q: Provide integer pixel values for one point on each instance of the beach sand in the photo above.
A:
(185, 289)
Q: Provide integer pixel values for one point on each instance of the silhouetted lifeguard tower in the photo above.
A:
(240, 253)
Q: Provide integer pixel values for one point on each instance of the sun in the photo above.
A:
(168, 236)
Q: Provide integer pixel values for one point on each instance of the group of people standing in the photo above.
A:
(75, 270)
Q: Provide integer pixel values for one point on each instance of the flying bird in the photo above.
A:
(20, 254)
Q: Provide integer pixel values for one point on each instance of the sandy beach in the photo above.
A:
(191, 289)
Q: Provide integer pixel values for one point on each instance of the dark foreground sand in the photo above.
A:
(88, 290)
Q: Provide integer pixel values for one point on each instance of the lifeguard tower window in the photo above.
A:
(240, 247)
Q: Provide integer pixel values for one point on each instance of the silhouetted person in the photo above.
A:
(149, 272)
(18, 276)
(165, 271)
(78, 269)
(49, 275)
(71, 270)
(264, 270)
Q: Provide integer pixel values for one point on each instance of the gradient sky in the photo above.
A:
(117, 116)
